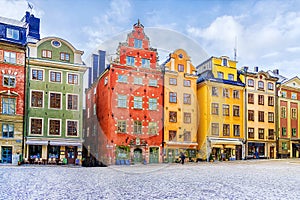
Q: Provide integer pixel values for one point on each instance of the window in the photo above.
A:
(226, 129)
(215, 129)
(8, 106)
(261, 85)
(145, 63)
(271, 117)
(172, 136)
(260, 99)
(220, 75)
(225, 110)
(270, 86)
(180, 68)
(37, 99)
(7, 130)
(138, 43)
(153, 82)
(12, 33)
(214, 91)
(224, 61)
(261, 133)
(55, 76)
(152, 104)
(294, 132)
(37, 74)
(187, 118)
(250, 115)
(10, 57)
(94, 109)
(283, 112)
(294, 95)
(152, 128)
(271, 134)
(72, 129)
(283, 131)
(294, 113)
(225, 92)
(187, 136)
(172, 116)
(121, 126)
(236, 111)
(137, 127)
(251, 133)
(138, 80)
(65, 56)
(54, 127)
(236, 130)
(186, 83)
(173, 97)
(250, 82)
(46, 53)
(284, 146)
(173, 81)
(261, 115)
(122, 99)
(214, 108)
(236, 94)
(271, 101)
(73, 79)
(122, 78)
(55, 100)
(186, 98)
(36, 126)
(230, 77)
(283, 94)
(138, 102)
(72, 102)
(251, 98)
(130, 60)
(9, 81)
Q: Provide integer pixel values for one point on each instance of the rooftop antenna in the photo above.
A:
(30, 6)
(235, 48)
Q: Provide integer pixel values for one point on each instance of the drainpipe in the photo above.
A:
(26, 79)
(245, 116)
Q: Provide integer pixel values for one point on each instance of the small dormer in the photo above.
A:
(225, 61)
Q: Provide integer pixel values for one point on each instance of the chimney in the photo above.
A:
(256, 69)
(276, 71)
(245, 68)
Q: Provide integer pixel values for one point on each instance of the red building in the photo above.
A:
(129, 104)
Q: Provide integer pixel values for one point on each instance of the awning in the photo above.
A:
(213, 142)
(36, 142)
(62, 143)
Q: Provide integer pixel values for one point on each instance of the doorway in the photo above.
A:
(6, 155)
(238, 152)
(137, 155)
(154, 155)
(71, 154)
(271, 152)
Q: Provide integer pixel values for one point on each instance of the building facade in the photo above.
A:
(260, 114)
(288, 118)
(180, 107)
(53, 128)
(220, 96)
(13, 38)
(129, 97)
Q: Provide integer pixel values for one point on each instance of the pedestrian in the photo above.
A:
(182, 157)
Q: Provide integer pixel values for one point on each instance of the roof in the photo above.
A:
(13, 22)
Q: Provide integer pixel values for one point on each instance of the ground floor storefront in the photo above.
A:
(259, 149)
(288, 148)
(9, 150)
(172, 151)
(53, 152)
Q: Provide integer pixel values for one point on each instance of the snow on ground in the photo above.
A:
(253, 179)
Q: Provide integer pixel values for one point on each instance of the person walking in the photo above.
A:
(182, 157)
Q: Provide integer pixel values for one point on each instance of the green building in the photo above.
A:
(54, 89)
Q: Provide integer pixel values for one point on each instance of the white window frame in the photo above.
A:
(71, 120)
(29, 131)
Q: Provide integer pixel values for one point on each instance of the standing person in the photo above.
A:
(182, 157)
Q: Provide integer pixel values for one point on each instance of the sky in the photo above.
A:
(264, 33)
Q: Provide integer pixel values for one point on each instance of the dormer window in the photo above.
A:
(65, 56)
(46, 53)
(138, 43)
(224, 62)
(230, 77)
(220, 75)
(180, 68)
(12, 34)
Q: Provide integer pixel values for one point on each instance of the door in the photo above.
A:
(154, 155)
(137, 155)
(171, 155)
(238, 152)
(272, 152)
(71, 154)
(6, 155)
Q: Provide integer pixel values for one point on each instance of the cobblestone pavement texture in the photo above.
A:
(253, 179)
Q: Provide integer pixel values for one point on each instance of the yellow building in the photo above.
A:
(260, 113)
(221, 110)
(180, 107)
